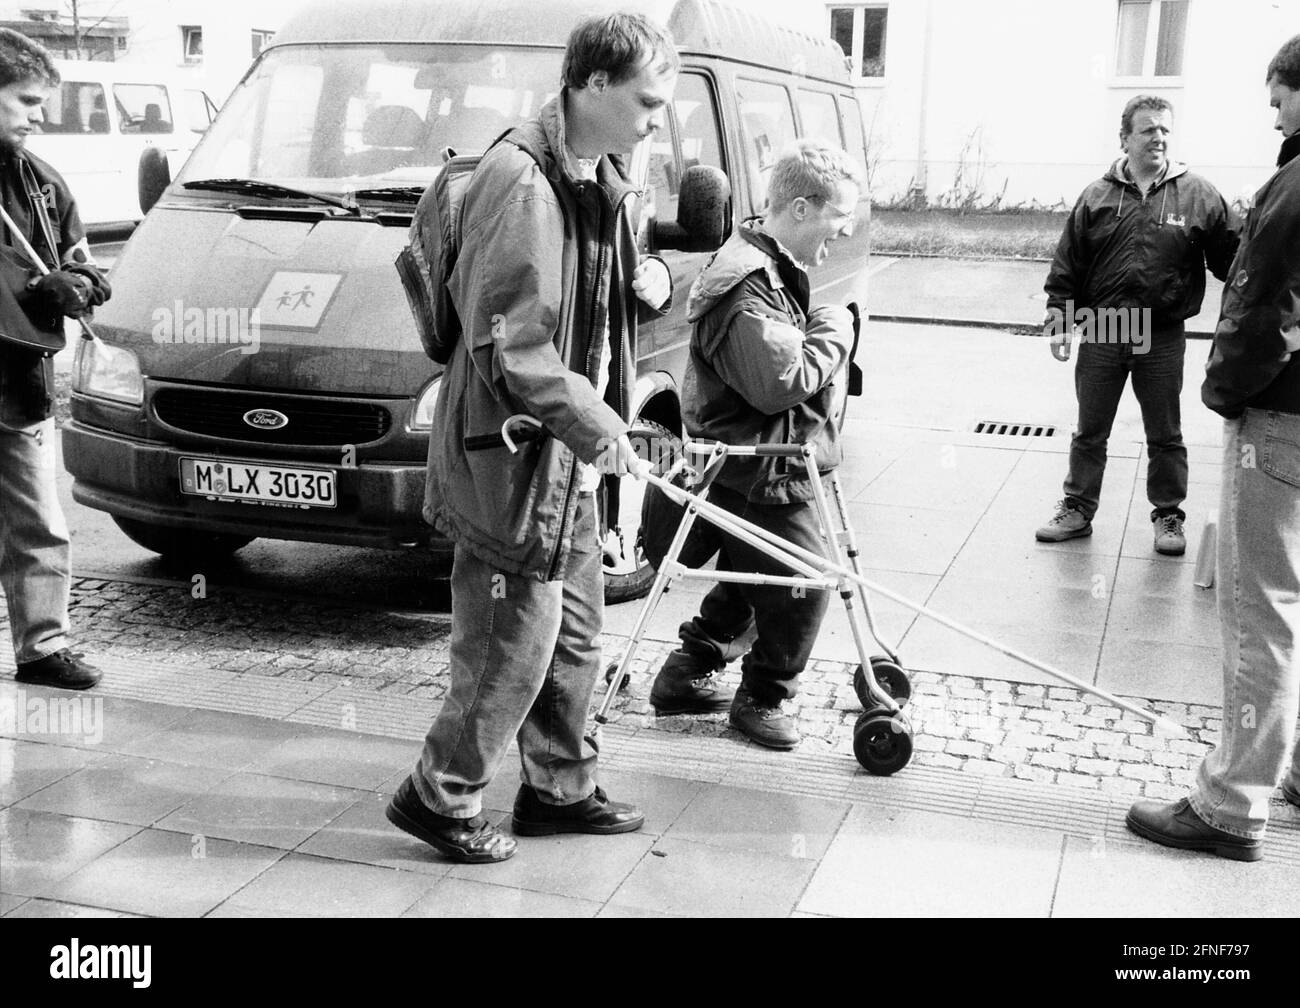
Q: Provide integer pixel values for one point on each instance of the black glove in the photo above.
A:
(100, 289)
(60, 293)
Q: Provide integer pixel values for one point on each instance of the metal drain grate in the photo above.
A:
(1015, 429)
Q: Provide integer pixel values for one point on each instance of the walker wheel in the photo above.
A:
(893, 680)
(613, 671)
(882, 743)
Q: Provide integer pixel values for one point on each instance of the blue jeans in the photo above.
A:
(1259, 612)
(1099, 378)
(35, 569)
(524, 661)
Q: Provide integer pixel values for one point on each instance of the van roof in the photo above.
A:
(699, 27)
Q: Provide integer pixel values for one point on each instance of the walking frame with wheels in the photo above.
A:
(882, 736)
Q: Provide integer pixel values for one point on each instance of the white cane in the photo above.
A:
(39, 263)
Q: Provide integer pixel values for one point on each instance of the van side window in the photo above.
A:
(697, 122)
(851, 121)
(693, 138)
(76, 107)
(143, 108)
(817, 116)
(767, 125)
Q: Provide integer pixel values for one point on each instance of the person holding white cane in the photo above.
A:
(47, 274)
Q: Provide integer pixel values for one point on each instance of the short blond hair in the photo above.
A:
(812, 169)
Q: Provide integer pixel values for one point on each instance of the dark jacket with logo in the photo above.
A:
(1253, 363)
(27, 378)
(545, 259)
(1121, 249)
(764, 368)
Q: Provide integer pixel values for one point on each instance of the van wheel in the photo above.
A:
(173, 542)
(628, 574)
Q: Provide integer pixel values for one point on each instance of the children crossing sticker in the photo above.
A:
(297, 300)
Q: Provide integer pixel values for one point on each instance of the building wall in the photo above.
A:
(1021, 102)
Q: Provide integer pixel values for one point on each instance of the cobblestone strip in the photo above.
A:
(986, 728)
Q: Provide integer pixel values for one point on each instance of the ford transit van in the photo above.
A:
(101, 121)
(260, 373)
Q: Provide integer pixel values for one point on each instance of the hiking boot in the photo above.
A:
(469, 841)
(1177, 825)
(685, 686)
(1169, 538)
(767, 725)
(1291, 794)
(1067, 523)
(63, 669)
(594, 814)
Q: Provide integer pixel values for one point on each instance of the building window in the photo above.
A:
(261, 39)
(860, 31)
(1149, 38)
(192, 43)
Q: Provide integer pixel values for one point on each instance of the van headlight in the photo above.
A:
(108, 372)
(422, 415)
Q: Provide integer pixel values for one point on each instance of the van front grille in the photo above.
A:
(310, 421)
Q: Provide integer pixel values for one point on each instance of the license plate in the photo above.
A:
(221, 479)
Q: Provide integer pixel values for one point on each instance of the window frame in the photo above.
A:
(855, 57)
(189, 33)
(1148, 77)
(263, 36)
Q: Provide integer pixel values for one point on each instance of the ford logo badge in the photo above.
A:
(266, 419)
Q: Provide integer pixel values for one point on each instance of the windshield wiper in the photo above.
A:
(268, 190)
(393, 194)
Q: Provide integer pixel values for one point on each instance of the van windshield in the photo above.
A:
(338, 118)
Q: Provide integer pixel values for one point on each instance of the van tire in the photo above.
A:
(635, 584)
(181, 543)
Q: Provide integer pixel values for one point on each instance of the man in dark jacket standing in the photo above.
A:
(1128, 271)
(1253, 381)
(765, 367)
(34, 547)
(547, 287)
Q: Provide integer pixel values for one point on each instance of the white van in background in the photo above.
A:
(99, 123)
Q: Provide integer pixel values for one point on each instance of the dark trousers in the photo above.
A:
(787, 619)
(1099, 377)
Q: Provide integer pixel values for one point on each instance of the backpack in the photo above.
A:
(426, 264)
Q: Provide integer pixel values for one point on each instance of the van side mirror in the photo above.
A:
(703, 212)
(154, 177)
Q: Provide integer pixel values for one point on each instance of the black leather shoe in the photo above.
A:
(471, 841)
(1177, 825)
(594, 814)
(63, 669)
(684, 685)
(1291, 794)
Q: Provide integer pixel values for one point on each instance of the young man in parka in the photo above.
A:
(548, 286)
(1129, 270)
(765, 367)
(1252, 380)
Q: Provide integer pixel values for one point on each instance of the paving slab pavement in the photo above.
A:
(235, 829)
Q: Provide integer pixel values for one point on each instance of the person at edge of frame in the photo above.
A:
(765, 366)
(35, 562)
(548, 285)
(1130, 270)
(1253, 381)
